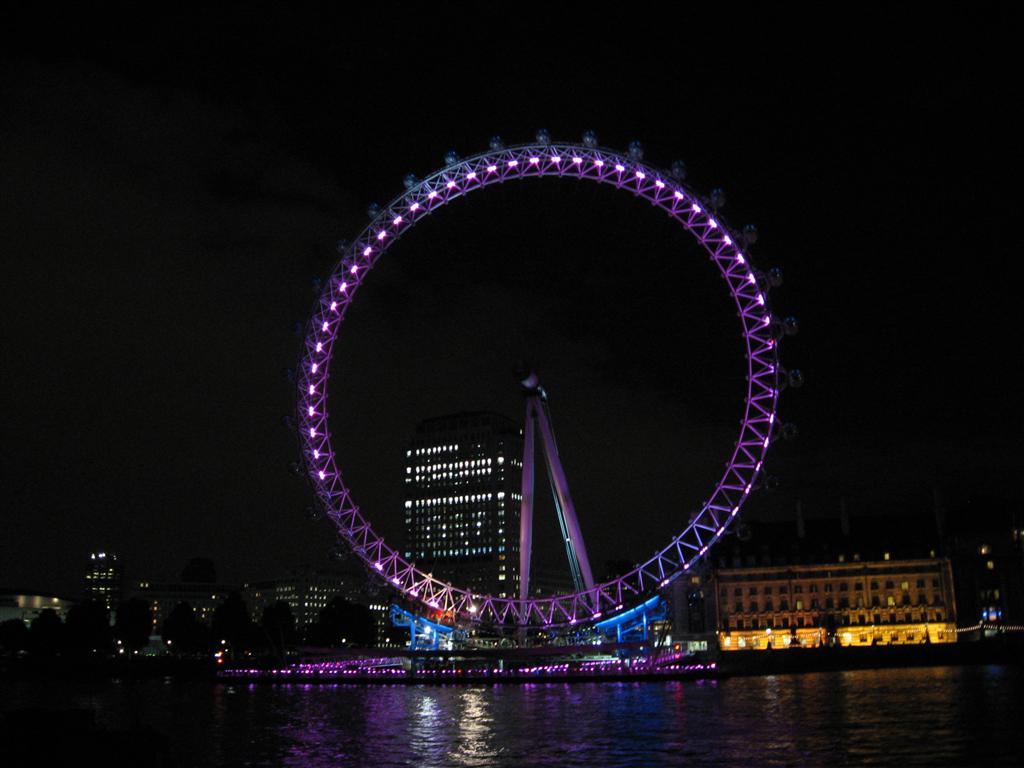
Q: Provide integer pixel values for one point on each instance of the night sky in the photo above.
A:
(170, 187)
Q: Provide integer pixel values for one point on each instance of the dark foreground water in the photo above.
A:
(951, 716)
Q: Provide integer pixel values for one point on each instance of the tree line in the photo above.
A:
(87, 631)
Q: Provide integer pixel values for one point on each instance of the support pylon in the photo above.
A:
(538, 418)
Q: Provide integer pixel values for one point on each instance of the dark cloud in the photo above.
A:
(147, 234)
(169, 192)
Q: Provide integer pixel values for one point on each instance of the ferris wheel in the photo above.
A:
(766, 378)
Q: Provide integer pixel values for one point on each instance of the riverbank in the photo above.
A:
(1001, 650)
(374, 670)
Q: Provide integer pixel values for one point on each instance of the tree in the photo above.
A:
(231, 622)
(134, 623)
(13, 636)
(343, 622)
(185, 634)
(279, 625)
(46, 635)
(88, 628)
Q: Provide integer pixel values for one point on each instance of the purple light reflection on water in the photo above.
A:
(868, 717)
(395, 668)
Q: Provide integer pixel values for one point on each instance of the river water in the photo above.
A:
(905, 717)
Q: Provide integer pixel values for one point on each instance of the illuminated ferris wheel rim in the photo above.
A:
(455, 180)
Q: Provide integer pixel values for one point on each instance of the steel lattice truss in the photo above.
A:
(684, 551)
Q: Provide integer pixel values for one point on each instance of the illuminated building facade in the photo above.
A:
(986, 544)
(886, 602)
(462, 499)
(388, 635)
(104, 579)
(825, 581)
(307, 592)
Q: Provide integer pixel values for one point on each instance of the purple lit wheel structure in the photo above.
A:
(458, 179)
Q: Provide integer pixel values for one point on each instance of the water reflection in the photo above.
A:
(475, 745)
(882, 717)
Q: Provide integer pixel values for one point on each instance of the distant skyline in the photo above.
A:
(170, 193)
